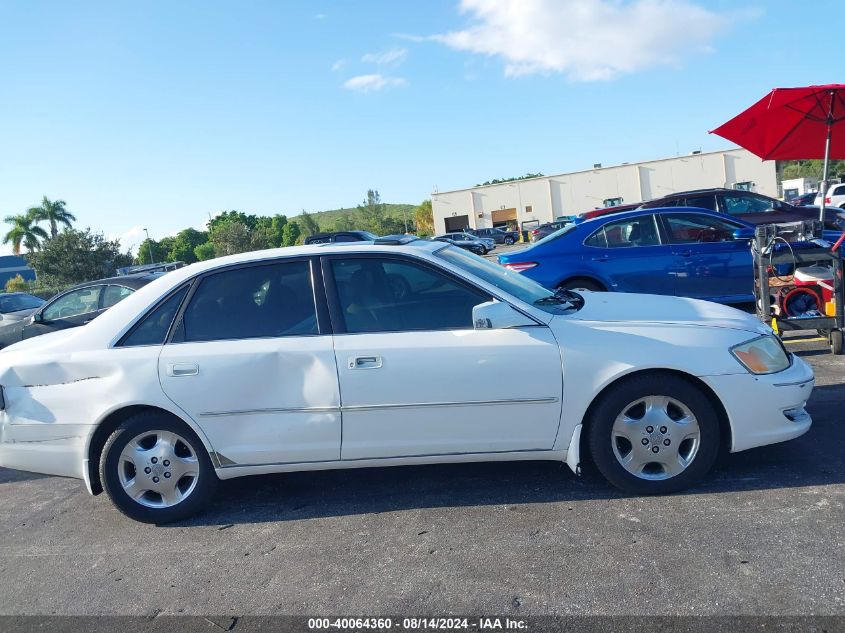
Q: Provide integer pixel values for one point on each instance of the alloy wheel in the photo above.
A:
(158, 469)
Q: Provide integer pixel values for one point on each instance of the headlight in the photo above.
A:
(764, 355)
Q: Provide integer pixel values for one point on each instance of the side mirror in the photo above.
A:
(743, 234)
(497, 315)
(37, 317)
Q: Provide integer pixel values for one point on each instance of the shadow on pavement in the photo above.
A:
(811, 460)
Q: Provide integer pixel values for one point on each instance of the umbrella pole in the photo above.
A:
(826, 158)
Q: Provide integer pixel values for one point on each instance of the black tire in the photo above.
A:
(149, 422)
(618, 400)
(835, 340)
(509, 240)
(582, 284)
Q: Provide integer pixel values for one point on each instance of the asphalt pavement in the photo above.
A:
(763, 535)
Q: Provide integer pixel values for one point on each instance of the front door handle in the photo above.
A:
(178, 370)
(364, 362)
(600, 258)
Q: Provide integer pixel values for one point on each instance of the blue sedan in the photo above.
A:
(683, 251)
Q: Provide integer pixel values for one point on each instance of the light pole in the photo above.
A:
(149, 246)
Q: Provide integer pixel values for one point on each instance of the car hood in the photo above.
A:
(639, 309)
(10, 317)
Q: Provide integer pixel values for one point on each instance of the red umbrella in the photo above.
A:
(793, 124)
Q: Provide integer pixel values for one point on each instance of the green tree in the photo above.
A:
(204, 252)
(230, 238)
(424, 218)
(269, 230)
(149, 252)
(75, 256)
(372, 212)
(185, 244)
(223, 218)
(811, 169)
(24, 232)
(17, 284)
(343, 222)
(54, 213)
(308, 223)
(290, 234)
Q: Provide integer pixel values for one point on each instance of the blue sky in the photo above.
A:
(157, 114)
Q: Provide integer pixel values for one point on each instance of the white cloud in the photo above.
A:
(373, 83)
(131, 238)
(392, 57)
(339, 64)
(588, 40)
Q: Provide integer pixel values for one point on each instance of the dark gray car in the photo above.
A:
(15, 306)
(498, 235)
(74, 307)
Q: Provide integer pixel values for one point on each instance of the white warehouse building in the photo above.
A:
(546, 198)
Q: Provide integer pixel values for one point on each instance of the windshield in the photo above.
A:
(512, 282)
(566, 228)
(19, 302)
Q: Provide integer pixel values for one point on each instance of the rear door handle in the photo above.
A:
(364, 362)
(178, 370)
(600, 258)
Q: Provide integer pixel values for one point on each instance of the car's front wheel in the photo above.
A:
(654, 434)
(509, 240)
(156, 470)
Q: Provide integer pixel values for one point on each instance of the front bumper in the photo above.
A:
(766, 409)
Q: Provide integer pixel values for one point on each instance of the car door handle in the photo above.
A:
(178, 370)
(600, 258)
(364, 362)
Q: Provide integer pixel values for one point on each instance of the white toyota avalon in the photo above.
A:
(396, 352)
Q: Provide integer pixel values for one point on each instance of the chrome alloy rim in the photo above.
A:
(158, 469)
(655, 437)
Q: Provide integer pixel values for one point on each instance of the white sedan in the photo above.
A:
(396, 352)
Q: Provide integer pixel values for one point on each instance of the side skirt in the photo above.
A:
(231, 472)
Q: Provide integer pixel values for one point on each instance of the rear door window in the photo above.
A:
(632, 232)
(702, 202)
(264, 301)
(113, 295)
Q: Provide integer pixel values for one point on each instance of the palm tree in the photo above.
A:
(25, 232)
(53, 212)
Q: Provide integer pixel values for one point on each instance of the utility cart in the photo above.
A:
(781, 254)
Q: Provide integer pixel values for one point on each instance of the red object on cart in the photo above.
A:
(820, 276)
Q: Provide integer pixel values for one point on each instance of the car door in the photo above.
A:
(710, 263)
(628, 254)
(72, 309)
(417, 379)
(252, 363)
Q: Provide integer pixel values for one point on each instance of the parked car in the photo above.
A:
(468, 245)
(15, 306)
(543, 230)
(497, 234)
(340, 236)
(463, 239)
(804, 200)
(72, 308)
(619, 208)
(749, 206)
(835, 196)
(399, 352)
(672, 251)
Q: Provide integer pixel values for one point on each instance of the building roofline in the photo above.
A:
(584, 171)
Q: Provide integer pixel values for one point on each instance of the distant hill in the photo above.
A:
(327, 220)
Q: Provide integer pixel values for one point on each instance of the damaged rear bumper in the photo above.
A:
(52, 449)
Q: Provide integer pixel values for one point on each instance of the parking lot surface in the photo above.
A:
(763, 535)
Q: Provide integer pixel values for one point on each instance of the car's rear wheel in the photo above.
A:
(509, 240)
(156, 470)
(582, 284)
(654, 435)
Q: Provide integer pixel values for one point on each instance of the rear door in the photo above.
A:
(252, 363)
(709, 263)
(629, 255)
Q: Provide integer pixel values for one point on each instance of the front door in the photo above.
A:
(251, 364)
(709, 262)
(417, 379)
(70, 310)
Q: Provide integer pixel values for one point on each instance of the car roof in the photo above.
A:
(136, 280)
(660, 211)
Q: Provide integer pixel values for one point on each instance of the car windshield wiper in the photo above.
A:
(560, 297)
